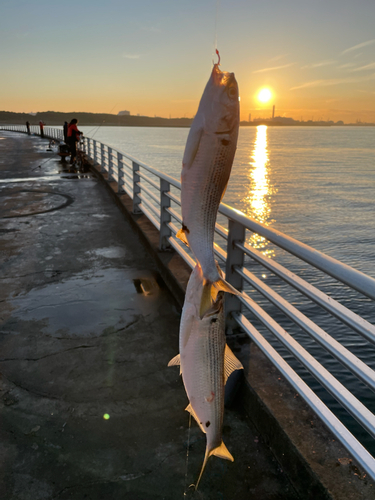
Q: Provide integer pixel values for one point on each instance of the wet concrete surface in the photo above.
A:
(88, 407)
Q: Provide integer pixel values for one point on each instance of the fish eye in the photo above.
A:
(232, 92)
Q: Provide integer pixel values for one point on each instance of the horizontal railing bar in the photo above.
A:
(338, 270)
(220, 252)
(150, 216)
(219, 229)
(326, 379)
(360, 454)
(150, 205)
(174, 214)
(357, 323)
(149, 192)
(173, 197)
(348, 359)
(175, 244)
(147, 179)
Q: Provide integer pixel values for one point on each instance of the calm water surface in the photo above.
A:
(316, 184)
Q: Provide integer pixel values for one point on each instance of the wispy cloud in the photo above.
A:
(131, 56)
(274, 68)
(318, 64)
(363, 68)
(359, 46)
(333, 81)
(347, 65)
(277, 58)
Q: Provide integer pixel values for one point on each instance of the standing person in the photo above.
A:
(28, 127)
(73, 137)
(65, 128)
(41, 125)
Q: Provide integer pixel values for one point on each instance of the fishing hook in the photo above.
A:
(218, 55)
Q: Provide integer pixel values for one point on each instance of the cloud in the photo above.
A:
(362, 68)
(347, 65)
(333, 81)
(273, 68)
(131, 56)
(277, 58)
(359, 46)
(318, 65)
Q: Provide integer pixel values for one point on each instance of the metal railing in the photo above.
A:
(157, 196)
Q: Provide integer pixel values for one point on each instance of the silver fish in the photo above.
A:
(207, 163)
(205, 364)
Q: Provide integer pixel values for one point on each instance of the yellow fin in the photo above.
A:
(221, 452)
(224, 286)
(182, 236)
(189, 408)
(231, 363)
(175, 361)
(206, 300)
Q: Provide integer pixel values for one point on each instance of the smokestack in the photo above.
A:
(273, 112)
(249, 117)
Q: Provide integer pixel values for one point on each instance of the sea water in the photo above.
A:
(315, 184)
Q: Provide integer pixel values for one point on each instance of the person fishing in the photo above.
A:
(73, 137)
(28, 127)
(41, 125)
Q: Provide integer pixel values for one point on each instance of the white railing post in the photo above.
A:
(136, 189)
(95, 152)
(102, 164)
(121, 175)
(165, 217)
(110, 165)
(235, 257)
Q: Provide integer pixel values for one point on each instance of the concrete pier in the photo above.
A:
(88, 407)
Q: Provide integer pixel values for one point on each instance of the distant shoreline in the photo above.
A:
(55, 118)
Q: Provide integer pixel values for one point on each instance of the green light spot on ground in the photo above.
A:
(106, 416)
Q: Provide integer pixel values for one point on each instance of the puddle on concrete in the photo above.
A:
(109, 252)
(87, 305)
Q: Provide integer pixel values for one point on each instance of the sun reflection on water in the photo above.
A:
(257, 201)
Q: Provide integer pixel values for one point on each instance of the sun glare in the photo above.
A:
(264, 95)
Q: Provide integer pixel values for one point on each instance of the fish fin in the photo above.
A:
(221, 452)
(231, 363)
(192, 146)
(189, 408)
(206, 301)
(176, 361)
(224, 286)
(181, 235)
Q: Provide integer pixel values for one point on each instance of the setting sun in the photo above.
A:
(264, 95)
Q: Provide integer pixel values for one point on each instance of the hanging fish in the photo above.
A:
(206, 167)
(205, 364)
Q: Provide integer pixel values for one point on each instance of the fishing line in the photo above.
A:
(97, 128)
(187, 457)
(216, 18)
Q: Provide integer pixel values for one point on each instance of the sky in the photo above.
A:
(154, 57)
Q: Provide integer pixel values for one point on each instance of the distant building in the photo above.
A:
(124, 113)
(273, 112)
(249, 117)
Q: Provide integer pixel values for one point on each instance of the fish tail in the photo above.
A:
(209, 303)
(221, 452)
(224, 286)
(206, 300)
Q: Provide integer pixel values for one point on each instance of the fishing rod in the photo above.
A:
(98, 127)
